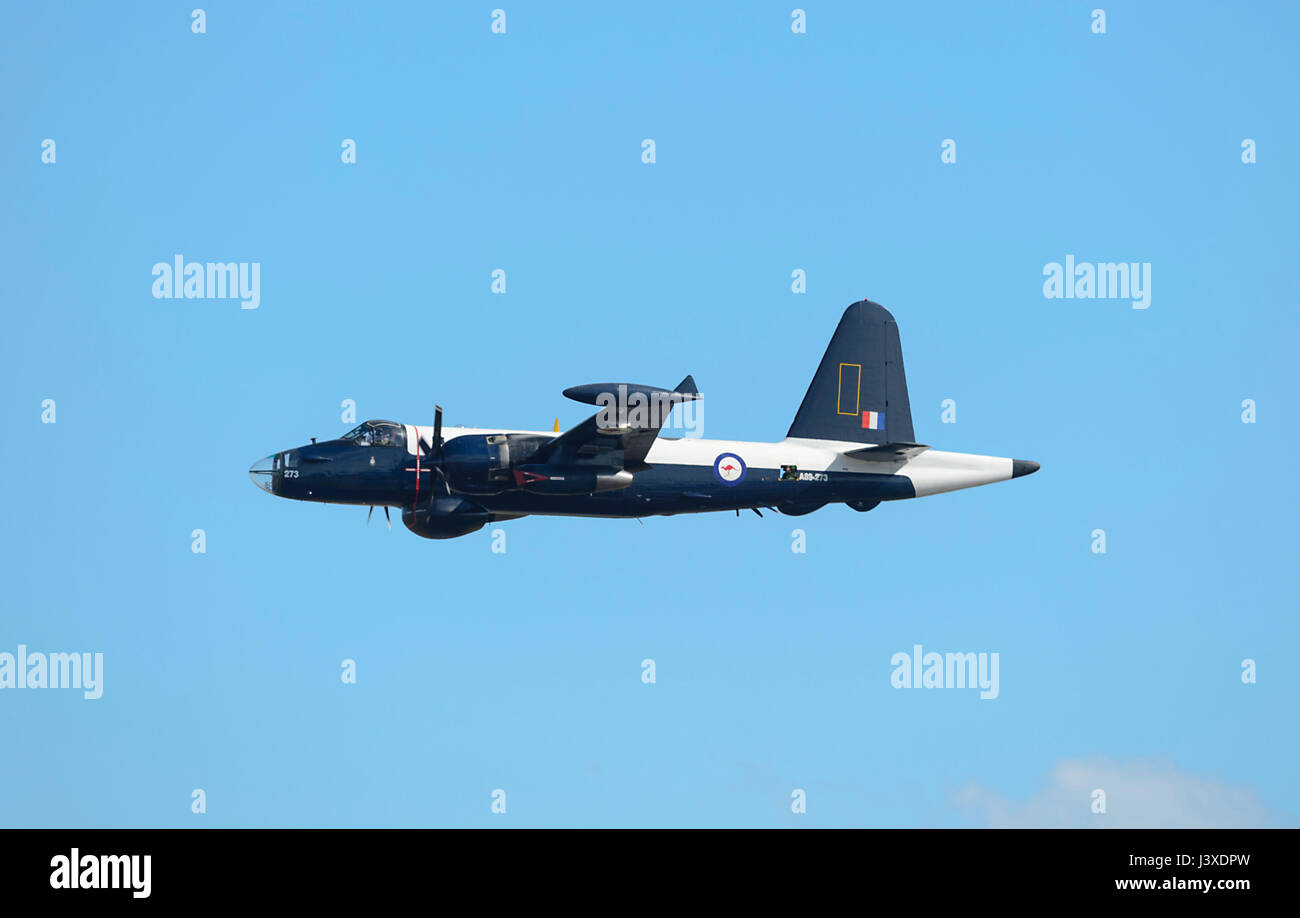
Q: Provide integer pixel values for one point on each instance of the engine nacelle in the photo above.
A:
(448, 518)
(569, 479)
(480, 463)
(477, 464)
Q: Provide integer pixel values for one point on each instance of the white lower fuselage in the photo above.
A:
(692, 468)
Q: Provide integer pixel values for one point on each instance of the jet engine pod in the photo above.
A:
(569, 479)
(445, 518)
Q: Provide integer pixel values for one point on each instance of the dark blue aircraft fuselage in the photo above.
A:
(341, 472)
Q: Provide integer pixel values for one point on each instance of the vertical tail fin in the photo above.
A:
(859, 392)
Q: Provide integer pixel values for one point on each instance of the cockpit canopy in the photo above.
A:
(377, 433)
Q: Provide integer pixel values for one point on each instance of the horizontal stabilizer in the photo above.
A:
(887, 452)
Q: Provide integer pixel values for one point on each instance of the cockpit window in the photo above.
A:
(377, 433)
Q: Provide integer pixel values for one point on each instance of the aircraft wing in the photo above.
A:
(621, 434)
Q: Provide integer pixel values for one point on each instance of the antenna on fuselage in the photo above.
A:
(386, 516)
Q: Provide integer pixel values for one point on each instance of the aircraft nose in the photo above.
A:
(263, 473)
(1021, 467)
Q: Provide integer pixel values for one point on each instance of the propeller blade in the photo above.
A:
(370, 514)
(388, 518)
(437, 431)
(415, 504)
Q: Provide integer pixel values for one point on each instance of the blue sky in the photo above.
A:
(774, 152)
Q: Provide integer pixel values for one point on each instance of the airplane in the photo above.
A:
(851, 443)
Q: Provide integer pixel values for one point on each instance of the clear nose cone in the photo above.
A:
(263, 473)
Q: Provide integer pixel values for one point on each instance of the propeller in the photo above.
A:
(435, 450)
(371, 513)
(435, 459)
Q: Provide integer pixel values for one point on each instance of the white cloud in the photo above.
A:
(1140, 793)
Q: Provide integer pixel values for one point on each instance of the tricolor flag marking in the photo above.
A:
(873, 420)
